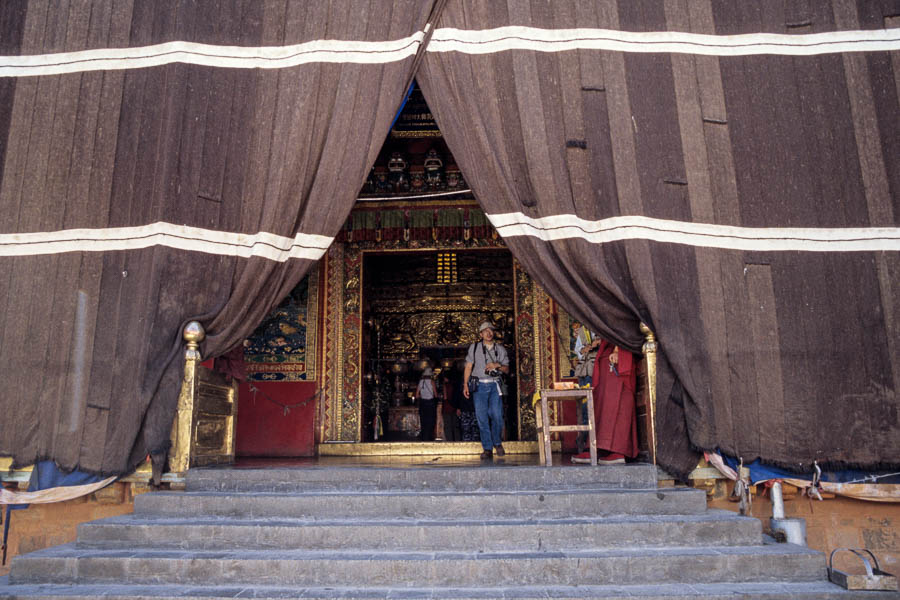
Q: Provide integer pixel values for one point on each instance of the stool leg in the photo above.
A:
(545, 419)
(539, 422)
(592, 432)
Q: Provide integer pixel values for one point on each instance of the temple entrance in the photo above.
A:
(416, 268)
(421, 311)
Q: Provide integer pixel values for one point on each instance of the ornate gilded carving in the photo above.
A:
(525, 358)
(449, 331)
(441, 315)
(351, 351)
(332, 367)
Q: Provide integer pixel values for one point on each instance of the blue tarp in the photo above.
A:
(46, 475)
(760, 472)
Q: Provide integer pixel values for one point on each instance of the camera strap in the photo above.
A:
(492, 356)
(484, 354)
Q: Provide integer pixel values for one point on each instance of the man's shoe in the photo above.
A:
(499, 450)
(487, 455)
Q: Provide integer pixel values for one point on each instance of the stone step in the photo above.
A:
(709, 591)
(564, 504)
(715, 528)
(459, 478)
(618, 566)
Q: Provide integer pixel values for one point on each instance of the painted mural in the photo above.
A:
(283, 347)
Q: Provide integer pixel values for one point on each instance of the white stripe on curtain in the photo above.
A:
(236, 57)
(559, 227)
(181, 237)
(557, 40)
(448, 40)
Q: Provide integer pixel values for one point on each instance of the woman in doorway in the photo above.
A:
(427, 408)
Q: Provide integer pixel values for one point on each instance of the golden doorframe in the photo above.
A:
(342, 307)
(542, 334)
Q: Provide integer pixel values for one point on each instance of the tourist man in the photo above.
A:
(485, 362)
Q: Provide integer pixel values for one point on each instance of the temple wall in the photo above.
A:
(43, 525)
(836, 522)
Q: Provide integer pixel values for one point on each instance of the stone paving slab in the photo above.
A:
(730, 591)
(445, 534)
(483, 477)
(718, 528)
(623, 566)
(532, 504)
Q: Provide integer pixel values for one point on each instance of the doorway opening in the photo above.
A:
(422, 309)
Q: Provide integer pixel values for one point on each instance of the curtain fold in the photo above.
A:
(733, 193)
(684, 186)
(205, 187)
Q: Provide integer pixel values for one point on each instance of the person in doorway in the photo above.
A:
(425, 393)
(485, 362)
(464, 408)
(585, 353)
(450, 411)
(616, 422)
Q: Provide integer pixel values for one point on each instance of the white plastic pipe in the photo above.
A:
(777, 501)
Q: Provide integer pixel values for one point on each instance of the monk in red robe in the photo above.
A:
(614, 412)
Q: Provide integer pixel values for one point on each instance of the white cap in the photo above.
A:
(485, 325)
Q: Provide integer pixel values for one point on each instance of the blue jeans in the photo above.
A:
(489, 413)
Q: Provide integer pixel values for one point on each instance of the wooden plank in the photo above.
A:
(539, 420)
(565, 428)
(592, 429)
(545, 428)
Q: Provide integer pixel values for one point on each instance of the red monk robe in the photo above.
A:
(614, 409)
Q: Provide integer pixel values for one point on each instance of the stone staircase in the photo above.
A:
(490, 531)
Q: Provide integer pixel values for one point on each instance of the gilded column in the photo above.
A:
(649, 350)
(180, 451)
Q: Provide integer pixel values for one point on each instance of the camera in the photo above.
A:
(493, 373)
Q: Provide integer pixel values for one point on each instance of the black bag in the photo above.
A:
(473, 384)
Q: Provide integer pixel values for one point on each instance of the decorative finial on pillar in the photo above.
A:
(193, 334)
(650, 340)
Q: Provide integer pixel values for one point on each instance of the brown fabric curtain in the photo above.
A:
(787, 356)
(90, 362)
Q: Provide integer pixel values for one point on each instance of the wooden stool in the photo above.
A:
(544, 429)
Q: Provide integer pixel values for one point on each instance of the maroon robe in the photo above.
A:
(614, 409)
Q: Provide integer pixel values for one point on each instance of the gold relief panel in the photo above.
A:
(407, 334)
(486, 296)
